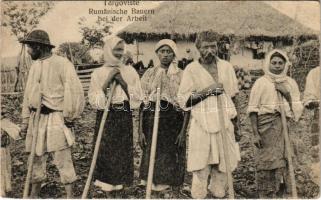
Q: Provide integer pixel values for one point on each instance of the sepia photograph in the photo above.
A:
(160, 99)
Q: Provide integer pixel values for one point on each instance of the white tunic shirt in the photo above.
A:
(97, 97)
(264, 98)
(312, 86)
(169, 82)
(60, 85)
(205, 139)
(61, 90)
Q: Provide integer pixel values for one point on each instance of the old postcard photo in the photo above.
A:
(160, 99)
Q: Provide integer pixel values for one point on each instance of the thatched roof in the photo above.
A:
(311, 43)
(239, 18)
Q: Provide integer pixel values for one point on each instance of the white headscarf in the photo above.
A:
(173, 68)
(169, 43)
(109, 58)
(276, 77)
(288, 82)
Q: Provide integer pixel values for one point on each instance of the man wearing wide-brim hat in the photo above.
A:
(52, 83)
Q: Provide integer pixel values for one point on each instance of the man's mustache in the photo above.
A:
(209, 53)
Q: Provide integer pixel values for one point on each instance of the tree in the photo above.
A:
(79, 52)
(93, 33)
(21, 18)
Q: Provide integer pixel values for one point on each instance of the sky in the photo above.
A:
(307, 12)
(62, 21)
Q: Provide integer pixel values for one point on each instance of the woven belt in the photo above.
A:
(44, 110)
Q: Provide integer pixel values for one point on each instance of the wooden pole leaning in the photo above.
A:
(287, 147)
(71, 56)
(224, 133)
(153, 147)
(33, 149)
(97, 144)
(18, 69)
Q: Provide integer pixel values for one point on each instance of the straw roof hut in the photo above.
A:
(245, 23)
(239, 18)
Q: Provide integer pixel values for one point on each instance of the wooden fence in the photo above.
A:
(8, 79)
(84, 73)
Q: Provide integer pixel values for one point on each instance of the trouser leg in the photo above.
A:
(38, 174)
(65, 166)
(218, 182)
(199, 183)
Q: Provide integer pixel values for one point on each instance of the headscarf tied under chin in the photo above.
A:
(109, 58)
(276, 78)
(288, 82)
(173, 68)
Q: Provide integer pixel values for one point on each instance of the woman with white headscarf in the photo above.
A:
(114, 167)
(170, 153)
(264, 111)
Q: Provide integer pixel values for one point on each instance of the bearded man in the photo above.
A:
(54, 87)
(204, 81)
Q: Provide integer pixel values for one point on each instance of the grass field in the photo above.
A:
(244, 175)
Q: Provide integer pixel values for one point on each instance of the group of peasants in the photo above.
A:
(192, 97)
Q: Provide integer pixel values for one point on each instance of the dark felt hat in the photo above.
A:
(37, 36)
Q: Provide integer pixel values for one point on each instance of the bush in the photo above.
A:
(79, 52)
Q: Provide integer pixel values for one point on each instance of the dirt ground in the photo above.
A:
(244, 175)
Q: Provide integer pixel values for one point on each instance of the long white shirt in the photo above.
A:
(61, 90)
(97, 97)
(312, 86)
(60, 85)
(169, 81)
(205, 139)
(264, 98)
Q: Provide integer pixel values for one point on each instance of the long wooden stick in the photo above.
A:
(225, 148)
(288, 147)
(33, 149)
(18, 68)
(34, 140)
(71, 56)
(153, 147)
(98, 140)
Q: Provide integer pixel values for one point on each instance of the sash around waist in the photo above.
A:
(43, 110)
(268, 118)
